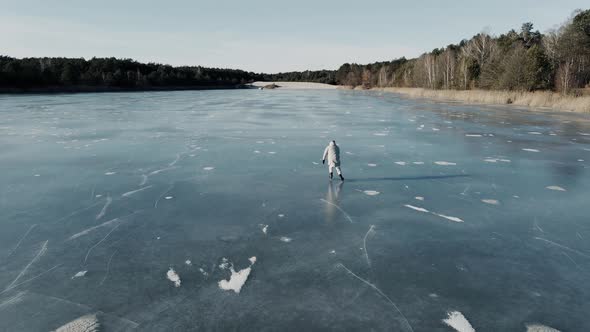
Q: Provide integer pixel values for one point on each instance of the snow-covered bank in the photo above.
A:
(296, 85)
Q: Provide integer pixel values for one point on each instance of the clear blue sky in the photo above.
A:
(260, 35)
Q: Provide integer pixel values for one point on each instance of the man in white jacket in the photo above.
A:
(332, 152)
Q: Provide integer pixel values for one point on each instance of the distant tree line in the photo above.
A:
(518, 60)
(112, 73)
(318, 76)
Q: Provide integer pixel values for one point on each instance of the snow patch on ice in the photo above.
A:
(418, 163)
(455, 219)
(87, 323)
(445, 163)
(188, 262)
(419, 198)
(80, 274)
(264, 229)
(530, 150)
(556, 188)
(539, 328)
(168, 197)
(401, 163)
(372, 165)
(473, 135)
(490, 201)
(237, 279)
(110, 173)
(208, 168)
(173, 276)
(457, 321)
(285, 239)
(416, 208)
(371, 192)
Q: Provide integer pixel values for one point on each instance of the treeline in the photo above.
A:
(518, 60)
(31, 73)
(524, 60)
(317, 76)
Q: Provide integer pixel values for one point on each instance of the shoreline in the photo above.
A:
(101, 89)
(538, 99)
(284, 85)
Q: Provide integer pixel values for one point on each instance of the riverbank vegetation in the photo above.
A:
(524, 60)
(536, 99)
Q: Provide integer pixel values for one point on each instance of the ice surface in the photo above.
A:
(522, 261)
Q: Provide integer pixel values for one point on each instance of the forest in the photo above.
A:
(110, 73)
(523, 60)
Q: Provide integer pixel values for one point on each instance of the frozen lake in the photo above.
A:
(470, 214)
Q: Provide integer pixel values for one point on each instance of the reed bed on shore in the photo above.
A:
(537, 99)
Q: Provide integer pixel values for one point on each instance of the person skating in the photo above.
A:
(332, 152)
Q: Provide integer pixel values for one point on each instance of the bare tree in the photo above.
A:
(449, 59)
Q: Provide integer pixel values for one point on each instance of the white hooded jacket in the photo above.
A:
(332, 154)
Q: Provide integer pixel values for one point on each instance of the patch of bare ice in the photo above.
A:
(129, 193)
